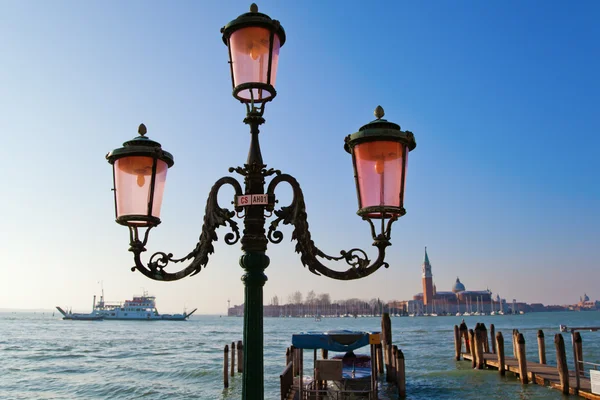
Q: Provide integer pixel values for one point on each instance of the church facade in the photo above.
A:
(457, 301)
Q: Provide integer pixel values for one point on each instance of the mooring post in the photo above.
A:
(578, 347)
(379, 349)
(373, 348)
(294, 356)
(561, 362)
(500, 352)
(464, 334)
(473, 353)
(522, 359)
(324, 354)
(287, 356)
(493, 338)
(484, 335)
(401, 371)
(240, 356)
(226, 367)
(541, 346)
(515, 334)
(232, 358)
(386, 331)
(479, 346)
(393, 364)
(457, 343)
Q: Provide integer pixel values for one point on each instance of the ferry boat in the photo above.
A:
(140, 308)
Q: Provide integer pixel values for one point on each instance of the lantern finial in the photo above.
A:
(142, 130)
(253, 8)
(379, 113)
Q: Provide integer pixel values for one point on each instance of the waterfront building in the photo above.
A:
(458, 300)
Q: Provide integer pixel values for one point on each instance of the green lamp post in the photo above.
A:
(379, 154)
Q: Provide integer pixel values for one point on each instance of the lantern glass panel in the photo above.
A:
(250, 58)
(379, 167)
(133, 178)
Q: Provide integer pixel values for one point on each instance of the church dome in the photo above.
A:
(458, 286)
(585, 297)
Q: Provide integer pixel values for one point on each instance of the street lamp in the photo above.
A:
(379, 155)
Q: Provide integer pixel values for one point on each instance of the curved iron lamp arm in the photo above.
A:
(295, 214)
(214, 217)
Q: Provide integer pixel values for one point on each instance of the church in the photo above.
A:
(458, 301)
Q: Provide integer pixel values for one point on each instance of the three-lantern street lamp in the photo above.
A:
(379, 156)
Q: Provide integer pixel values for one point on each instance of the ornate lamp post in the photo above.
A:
(379, 154)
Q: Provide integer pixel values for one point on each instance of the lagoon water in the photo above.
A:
(44, 357)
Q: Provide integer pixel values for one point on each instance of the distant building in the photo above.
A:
(459, 300)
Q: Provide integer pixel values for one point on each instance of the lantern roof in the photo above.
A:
(253, 18)
(380, 129)
(141, 146)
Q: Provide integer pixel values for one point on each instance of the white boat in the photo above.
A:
(140, 308)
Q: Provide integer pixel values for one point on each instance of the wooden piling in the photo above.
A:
(472, 341)
(287, 356)
(240, 356)
(522, 359)
(380, 358)
(226, 367)
(515, 334)
(294, 361)
(386, 331)
(393, 365)
(484, 335)
(541, 346)
(578, 352)
(479, 346)
(561, 362)
(401, 371)
(464, 334)
(457, 343)
(233, 358)
(493, 338)
(500, 352)
(324, 354)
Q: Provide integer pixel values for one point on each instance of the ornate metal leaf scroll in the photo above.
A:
(214, 217)
(295, 214)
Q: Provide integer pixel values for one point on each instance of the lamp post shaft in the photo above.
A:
(254, 261)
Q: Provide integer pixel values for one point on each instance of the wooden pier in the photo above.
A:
(475, 343)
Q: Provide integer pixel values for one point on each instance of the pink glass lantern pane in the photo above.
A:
(133, 177)
(250, 57)
(379, 167)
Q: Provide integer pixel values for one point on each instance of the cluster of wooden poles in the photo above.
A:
(240, 361)
(477, 343)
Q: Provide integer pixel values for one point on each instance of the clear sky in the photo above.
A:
(503, 187)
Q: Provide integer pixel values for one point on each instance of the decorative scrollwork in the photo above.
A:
(295, 214)
(214, 217)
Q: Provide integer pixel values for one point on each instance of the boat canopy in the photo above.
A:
(338, 340)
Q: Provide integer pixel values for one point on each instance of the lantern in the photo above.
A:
(254, 40)
(379, 154)
(139, 175)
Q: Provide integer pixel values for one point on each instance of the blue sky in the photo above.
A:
(502, 188)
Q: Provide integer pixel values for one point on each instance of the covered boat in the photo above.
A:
(342, 375)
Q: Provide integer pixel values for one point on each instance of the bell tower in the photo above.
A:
(427, 281)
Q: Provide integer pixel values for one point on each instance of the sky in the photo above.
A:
(502, 188)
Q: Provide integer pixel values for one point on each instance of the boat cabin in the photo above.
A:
(340, 376)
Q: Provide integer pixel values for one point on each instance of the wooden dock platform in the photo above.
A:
(542, 374)
(475, 345)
